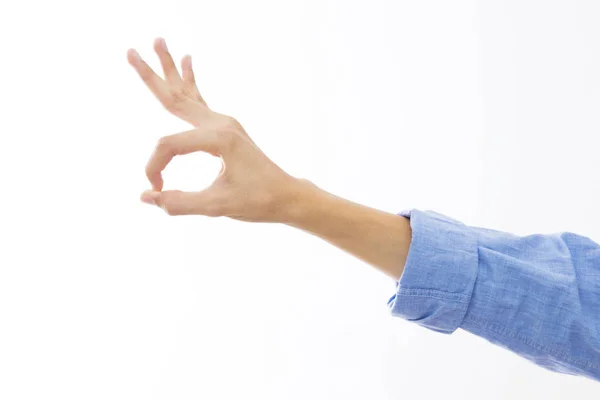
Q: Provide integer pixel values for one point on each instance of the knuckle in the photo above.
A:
(176, 98)
(231, 133)
(149, 172)
(180, 95)
(164, 143)
(232, 123)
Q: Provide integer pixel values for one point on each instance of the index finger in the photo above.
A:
(179, 144)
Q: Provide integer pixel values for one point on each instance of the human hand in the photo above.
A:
(249, 187)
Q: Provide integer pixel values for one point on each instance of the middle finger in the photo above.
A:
(168, 65)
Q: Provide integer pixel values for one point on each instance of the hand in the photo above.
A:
(249, 187)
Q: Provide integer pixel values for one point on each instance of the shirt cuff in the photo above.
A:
(436, 285)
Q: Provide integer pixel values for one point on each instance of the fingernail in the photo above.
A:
(163, 45)
(135, 55)
(148, 200)
(149, 197)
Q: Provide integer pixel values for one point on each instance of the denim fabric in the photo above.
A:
(535, 295)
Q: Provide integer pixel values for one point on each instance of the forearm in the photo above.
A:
(379, 238)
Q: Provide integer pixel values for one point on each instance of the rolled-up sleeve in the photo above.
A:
(440, 271)
(535, 295)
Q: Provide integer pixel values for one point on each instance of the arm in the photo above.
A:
(537, 295)
(253, 188)
(376, 237)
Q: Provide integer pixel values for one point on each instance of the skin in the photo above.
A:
(251, 187)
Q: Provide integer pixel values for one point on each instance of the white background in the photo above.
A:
(485, 111)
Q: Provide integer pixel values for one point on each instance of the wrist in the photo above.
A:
(298, 202)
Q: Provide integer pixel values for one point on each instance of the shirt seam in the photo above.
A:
(512, 334)
(434, 294)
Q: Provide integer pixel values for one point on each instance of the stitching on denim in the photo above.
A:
(512, 334)
(434, 294)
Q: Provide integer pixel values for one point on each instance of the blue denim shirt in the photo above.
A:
(535, 295)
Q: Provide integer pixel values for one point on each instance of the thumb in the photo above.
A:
(150, 197)
(176, 202)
